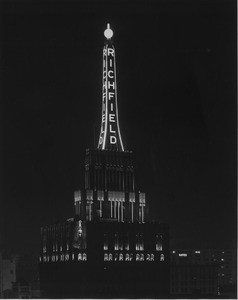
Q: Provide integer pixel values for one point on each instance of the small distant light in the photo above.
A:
(183, 254)
(108, 33)
(222, 259)
(174, 252)
(197, 252)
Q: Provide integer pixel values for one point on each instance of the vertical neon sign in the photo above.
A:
(110, 136)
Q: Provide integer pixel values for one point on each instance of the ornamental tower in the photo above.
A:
(110, 136)
(108, 249)
(110, 190)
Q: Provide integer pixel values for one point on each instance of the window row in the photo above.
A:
(124, 242)
(63, 257)
(131, 257)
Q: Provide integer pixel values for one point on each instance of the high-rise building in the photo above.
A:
(109, 248)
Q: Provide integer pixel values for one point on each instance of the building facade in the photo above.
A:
(18, 279)
(7, 274)
(109, 248)
(204, 272)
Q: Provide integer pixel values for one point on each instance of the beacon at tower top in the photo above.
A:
(110, 136)
(108, 33)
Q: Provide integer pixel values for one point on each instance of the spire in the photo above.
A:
(110, 136)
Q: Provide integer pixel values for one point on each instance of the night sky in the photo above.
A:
(176, 69)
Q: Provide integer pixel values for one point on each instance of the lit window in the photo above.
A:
(67, 257)
(137, 256)
(132, 197)
(116, 245)
(89, 195)
(127, 247)
(158, 245)
(121, 257)
(77, 201)
(162, 257)
(141, 242)
(127, 257)
(56, 258)
(132, 201)
(141, 207)
(72, 256)
(116, 257)
(80, 256)
(105, 257)
(80, 229)
(127, 242)
(137, 242)
(100, 195)
(110, 256)
(89, 210)
(131, 257)
(152, 257)
(105, 246)
(147, 257)
(142, 257)
(84, 256)
(120, 243)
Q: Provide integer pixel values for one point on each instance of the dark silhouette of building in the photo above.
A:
(7, 274)
(18, 277)
(109, 248)
(203, 273)
(25, 290)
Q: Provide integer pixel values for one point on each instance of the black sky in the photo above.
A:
(176, 69)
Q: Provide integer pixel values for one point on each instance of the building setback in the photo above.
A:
(109, 248)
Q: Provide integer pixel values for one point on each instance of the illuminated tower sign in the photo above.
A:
(110, 136)
(109, 247)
